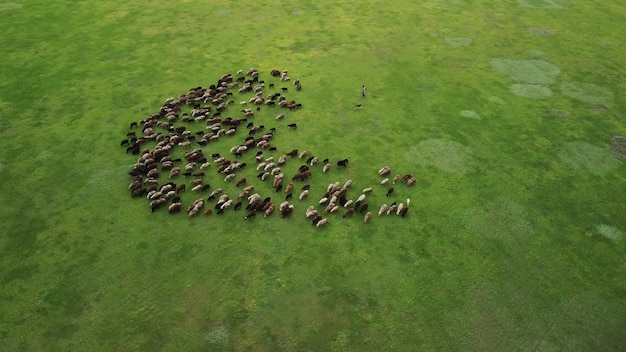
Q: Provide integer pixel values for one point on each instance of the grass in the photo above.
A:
(513, 241)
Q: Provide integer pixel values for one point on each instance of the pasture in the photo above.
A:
(509, 114)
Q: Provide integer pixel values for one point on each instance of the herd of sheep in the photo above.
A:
(172, 162)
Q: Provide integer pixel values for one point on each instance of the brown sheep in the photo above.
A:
(175, 208)
(384, 171)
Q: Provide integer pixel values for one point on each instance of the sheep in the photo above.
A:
(195, 207)
(326, 168)
(268, 211)
(269, 166)
(229, 177)
(384, 171)
(216, 192)
(347, 184)
(302, 176)
(389, 191)
(303, 154)
(226, 204)
(323, 201)
(242, 181)
(395, 179)
(367, 217)
(134, 185)
(156, 204)
(411, 181)
(322, 222)
(138, 192)
(361, 198)
(254, 198)
(280, 117)
(408, 202)
(303, 195)
(348, 203)
(392, 208)
(406, 177)
(283, 205)
(400, 207)
(278, 184)
(342, 163)
(332, 187)
(153, 173)
(383, 209)
(287, 211)
(190, 166)
(250, 215)
(175, 208)
(384, 181)
(367, 190)
(152, 195)
(348, 213)
(316, 219)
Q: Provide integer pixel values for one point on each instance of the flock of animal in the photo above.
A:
(162, 178)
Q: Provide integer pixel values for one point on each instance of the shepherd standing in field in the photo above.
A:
(363, 90)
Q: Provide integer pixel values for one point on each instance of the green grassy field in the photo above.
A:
(504, 111)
